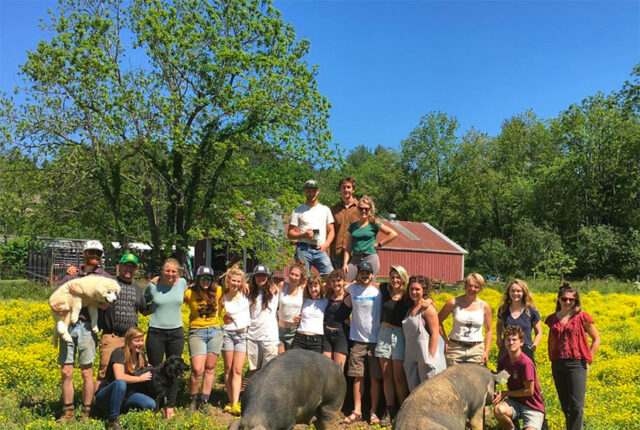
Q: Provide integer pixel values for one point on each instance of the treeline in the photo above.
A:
(557, 196)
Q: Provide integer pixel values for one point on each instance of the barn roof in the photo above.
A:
(421, 237)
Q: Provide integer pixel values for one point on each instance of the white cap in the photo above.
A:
(93, 244)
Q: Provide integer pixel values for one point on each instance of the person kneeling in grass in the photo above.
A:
(523, 399)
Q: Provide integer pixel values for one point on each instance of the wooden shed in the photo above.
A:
(422, 250)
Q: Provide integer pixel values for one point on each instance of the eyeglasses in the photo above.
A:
(206, 278)
(361, 209)
(567, 299)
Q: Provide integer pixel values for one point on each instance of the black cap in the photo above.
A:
(365, 266)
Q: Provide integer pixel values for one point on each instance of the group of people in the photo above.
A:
(390, 331)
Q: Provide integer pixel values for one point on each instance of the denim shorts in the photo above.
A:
(530, 417)
(286, 334)
(235, 341)
(390, 343)
(204, 341)
(84, 344)
(335, 340)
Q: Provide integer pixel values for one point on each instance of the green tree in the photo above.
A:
(169, 105)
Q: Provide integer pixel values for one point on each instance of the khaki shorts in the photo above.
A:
(458, 353)
(356, 366)
(260, 353)
(108, 342)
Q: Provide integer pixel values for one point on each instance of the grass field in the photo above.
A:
(29, 374)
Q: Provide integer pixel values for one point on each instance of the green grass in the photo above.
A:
(23, 289)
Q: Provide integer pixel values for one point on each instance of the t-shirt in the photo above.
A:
(312, 218)
(524, 320)
(522, 369)
(202, 314)
(365, 318)
(117, 356)
(364, 238)
(264, 322)
(166, 304)
(569, 341)
(238, 309)
(312, 316)
(393, 311)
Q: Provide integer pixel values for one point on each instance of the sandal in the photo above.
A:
(373, 419)
(355, 416)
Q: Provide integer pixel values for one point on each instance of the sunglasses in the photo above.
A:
(417, 278)
(206, 278)
(567, 299)
(363, 209)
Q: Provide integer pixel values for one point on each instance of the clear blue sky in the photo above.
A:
(385, 64)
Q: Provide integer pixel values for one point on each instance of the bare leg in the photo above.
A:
(197, 370)
(66, 373)
(209, 373)
(236, 376)
(87, 385)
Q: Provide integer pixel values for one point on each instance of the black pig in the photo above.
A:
(292, 389)
(449, 399)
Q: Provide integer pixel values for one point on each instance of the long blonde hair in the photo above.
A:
(372, 207)
(526, 298)
(129, 359)
(234, 270)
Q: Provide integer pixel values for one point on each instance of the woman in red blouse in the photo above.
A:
(570, 353)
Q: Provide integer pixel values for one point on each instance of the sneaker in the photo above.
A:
(227, 408)
(385, 421)
(236, 410)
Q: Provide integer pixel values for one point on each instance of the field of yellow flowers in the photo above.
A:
(29, 374)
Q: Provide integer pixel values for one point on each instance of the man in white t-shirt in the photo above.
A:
(311, 225)
(366, 302)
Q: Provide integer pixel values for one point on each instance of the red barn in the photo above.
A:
(422, 250)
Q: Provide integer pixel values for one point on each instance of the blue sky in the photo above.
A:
(384, 64)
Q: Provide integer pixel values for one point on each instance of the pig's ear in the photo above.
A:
(501, 377)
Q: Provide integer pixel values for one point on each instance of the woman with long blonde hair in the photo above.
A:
(121, 386)
(518, 308)
(234, 346)
(362, 244)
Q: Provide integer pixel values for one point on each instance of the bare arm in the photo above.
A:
(444, 313)
(499, 331)
(537, 329)
(347, 253)
(526, 391)
(390, 235)
(488, 331)
(119, 373)
(431, 318)
(592, 331)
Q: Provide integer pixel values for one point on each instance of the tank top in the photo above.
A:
(467, 325)
(336, 314)
(312, 316)
(289, 306)
(264, 322)
(238, 309)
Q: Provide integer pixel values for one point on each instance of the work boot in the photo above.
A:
(114, 425)
(193, 403)
(67, 414)
(86, 413)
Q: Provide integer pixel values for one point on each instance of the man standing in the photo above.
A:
(344, 213)
(311, 224)
(523, 399)
(121, 315)
(84, 341)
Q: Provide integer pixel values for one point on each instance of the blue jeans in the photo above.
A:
(112, 398)
(310, 256)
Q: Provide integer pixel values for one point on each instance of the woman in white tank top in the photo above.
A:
(466, 343)
(289, 305)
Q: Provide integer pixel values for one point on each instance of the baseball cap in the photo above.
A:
(365, 266)
(94, 245)
(311, 183)
(261, 268)
(129, 258)
(204, 271)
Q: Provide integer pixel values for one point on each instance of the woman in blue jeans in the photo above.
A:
(120, 386)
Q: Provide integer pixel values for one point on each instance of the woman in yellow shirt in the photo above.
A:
(205, 334)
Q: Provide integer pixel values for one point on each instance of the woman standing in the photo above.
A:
(311, 328)
(205, 334)
(390, 347)
(234, 345)
(466, 343)
(335, 344)
(423, 355)
(519, 309)
(361, 245)
(570, 353)
(262, 338)
(290, 305)
(120, 386)
(166, 335)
